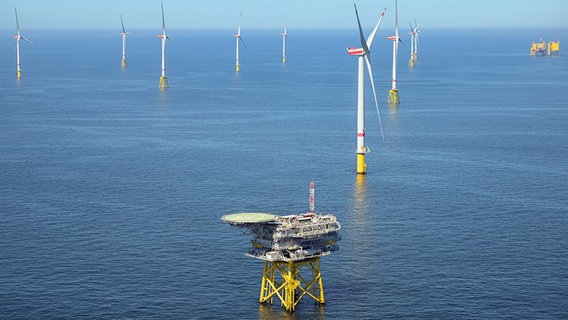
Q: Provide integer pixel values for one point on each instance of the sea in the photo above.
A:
(112, 190)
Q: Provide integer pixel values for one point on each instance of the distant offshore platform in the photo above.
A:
(541, 49)
(291, 247)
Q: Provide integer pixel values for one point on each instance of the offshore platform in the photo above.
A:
(291, 247)
(541, 49)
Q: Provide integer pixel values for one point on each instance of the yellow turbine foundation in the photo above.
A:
(283, 59)
(284, 280)
(411, 63)
(361, 165)
(238, 68)
(123, 63)
(19, 74)
(163, 82)
(393, 96)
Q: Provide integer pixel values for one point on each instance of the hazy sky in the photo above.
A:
(269, 14)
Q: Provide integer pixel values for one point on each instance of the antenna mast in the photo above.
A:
(312, 196)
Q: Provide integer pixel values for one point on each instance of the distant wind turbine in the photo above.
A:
(363, 55)
(284, 38)
(164, 37)
(393, 93)
(413, 50)
(123, 34)
(19, 37)
(237, 40)
(416, 38)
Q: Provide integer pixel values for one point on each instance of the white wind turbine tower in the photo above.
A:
(238, 39)
(393, 93)
(164, 37)
(123, 34)
(363, 58)
(19, 37)
(284, 37)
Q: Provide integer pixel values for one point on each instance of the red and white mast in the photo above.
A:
(312, 196)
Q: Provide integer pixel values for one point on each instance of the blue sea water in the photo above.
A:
(111, 190)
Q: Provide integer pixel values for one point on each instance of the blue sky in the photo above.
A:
(269, 14)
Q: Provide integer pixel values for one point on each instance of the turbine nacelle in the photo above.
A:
(163, 36)
(396, 38)
(354, 51)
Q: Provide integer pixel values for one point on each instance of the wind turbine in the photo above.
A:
(237, 39)
(393, 93)
(284, 37)
(413, 53)
(363, 58)
(416, 34)
(19, 37)
(123, 34)
(164, 37)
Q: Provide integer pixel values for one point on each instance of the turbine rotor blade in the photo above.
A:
(243, 42)
(17, 22)
(121, 22)
(396, 17)
(26, 39)
(374, 32)
(369, 69)
(363, 42)
(240, 21)
(163, 19)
